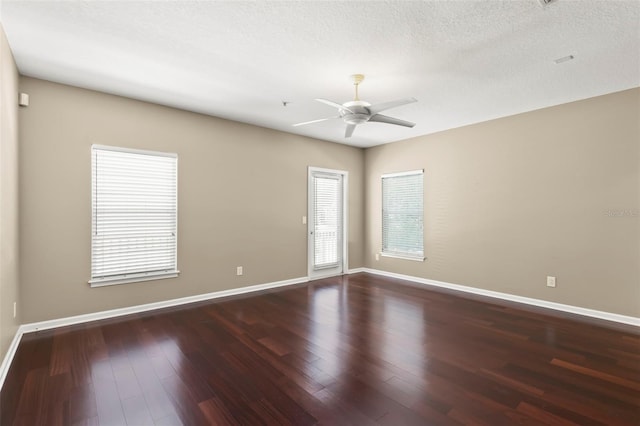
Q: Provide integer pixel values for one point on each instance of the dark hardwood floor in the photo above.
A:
(356, 350)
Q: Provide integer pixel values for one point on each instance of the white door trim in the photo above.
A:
(345, 221)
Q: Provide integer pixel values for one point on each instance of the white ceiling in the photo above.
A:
(465, 61)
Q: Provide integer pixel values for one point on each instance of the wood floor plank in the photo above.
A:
(216, 412)
(136, 411)
(186, 407)
(634, 385)
(82, 404)
(352, 350)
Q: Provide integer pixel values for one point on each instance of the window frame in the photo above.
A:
(419, 257)
(124, 278)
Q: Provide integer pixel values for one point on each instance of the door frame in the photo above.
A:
(311, 274)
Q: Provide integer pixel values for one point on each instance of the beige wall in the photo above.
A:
(507, 202)
(8, 194)
(242, 194)
(510, 201)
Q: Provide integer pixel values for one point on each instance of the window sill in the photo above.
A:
(404, 257)
(133, 279)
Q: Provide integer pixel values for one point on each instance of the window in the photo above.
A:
(402, 215)
(134, 215)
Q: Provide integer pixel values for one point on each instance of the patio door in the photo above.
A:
(327, 222)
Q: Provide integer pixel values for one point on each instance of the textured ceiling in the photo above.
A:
(465, 61)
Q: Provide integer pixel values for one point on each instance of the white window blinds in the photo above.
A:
(134, 215)
(402, 215)
(327, 221)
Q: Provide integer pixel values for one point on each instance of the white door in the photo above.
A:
(327, 223)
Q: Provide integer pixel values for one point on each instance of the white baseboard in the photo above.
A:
(44, 325)
(8, 358)
(356, 270)
(60, 322)
(513, 298)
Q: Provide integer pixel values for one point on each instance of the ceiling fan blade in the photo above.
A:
(374, 109)
(334, 104)
(390, 120)
(349, 130)
(314, 121)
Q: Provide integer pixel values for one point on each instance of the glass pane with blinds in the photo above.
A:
(327, 221)
(402, 214)
(134, 214)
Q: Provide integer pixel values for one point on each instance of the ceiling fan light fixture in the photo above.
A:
(355, 118)
(357, 113)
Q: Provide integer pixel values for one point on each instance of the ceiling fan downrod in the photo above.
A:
(357, 79)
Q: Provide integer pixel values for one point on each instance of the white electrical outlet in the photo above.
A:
(15, 309)
(304, 220)
(239, 270)
(551, 281)
(377, 256)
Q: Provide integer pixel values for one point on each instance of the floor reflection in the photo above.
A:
(391, 329)
(403, 329)
(329, 327)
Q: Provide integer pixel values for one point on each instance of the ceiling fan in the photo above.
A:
(357, 112)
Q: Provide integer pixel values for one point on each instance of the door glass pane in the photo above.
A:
(328, 210)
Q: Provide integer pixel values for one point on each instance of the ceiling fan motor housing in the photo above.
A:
(359, 112)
